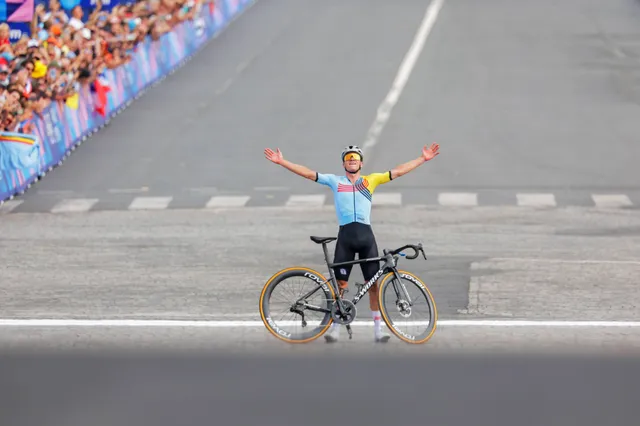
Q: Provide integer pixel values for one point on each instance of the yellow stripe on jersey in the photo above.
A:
(372, 181)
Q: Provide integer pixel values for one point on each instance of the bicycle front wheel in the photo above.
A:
(407, 307)
(295, 305)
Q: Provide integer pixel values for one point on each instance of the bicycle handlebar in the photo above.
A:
(417, 249)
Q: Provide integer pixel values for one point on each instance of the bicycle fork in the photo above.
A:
(400, 303)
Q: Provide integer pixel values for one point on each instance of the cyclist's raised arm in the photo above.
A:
(277, 158)
(427, 154)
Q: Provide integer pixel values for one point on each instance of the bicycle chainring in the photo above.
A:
(345, 317)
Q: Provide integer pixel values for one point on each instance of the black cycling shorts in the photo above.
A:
(355, 238)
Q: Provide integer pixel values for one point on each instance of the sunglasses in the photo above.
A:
(352, 156)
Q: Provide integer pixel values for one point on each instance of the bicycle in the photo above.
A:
(341, 310)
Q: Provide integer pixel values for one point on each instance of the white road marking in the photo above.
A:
(406, 67)
(224, 87)
(74, 205)
(457, 199)
(387, 199)
(257, 323)
(611, 200)
(9, 205)
(536, 200)
(578, 261)
(228, 201)
(150, 203)
(315, 200)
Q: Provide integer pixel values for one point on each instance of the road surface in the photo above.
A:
(172, 213)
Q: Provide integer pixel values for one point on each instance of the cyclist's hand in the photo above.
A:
(432, 151)
(276, 157)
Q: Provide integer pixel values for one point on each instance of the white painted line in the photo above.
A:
(538, 323)
(74, 205)
(457, 199)
(243, 65)
(536, 200)
(257, 323)
(576, 261)
(406, 67)
(150, 203)
(9, 205)
(611, 200)
(228, 201)
(306, 200)
(225, 86)
(387, 199)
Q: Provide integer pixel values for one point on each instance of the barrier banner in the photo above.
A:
(18, 15)
(62, 125)
(19, 158)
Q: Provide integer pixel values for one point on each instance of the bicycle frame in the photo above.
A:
(390, 261)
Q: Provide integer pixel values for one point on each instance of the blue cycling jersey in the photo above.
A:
(353, 201)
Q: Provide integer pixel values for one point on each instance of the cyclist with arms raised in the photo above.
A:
(352, 197)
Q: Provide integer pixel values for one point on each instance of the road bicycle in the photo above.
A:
(333, 307)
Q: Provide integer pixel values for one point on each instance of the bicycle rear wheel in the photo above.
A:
(292, 297)
(399, 312)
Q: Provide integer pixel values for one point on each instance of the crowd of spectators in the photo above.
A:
(66, 51)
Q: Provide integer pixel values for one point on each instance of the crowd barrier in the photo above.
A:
(25, 158)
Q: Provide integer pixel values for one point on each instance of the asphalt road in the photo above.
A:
(277, 77)
(521, 99)
(495, 264)
(524, 97)
(532, 96)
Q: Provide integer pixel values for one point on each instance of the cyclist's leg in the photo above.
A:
(368, 249)
(343, 253)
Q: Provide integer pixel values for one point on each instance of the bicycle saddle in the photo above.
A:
(322, 240)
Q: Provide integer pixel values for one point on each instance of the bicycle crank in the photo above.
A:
(345, 317)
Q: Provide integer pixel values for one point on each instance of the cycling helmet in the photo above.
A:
(352, 148)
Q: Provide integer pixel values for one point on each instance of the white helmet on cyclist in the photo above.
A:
(352, 148)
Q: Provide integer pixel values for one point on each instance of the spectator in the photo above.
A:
(76, 18)
(67, 52)
(4, 34)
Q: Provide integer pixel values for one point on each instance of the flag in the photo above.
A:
(101, 88)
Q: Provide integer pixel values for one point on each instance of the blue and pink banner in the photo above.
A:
(18, 14)
(25, 157)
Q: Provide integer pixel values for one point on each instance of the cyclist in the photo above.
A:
(352, 198)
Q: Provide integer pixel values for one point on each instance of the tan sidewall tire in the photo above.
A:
(386, 280)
